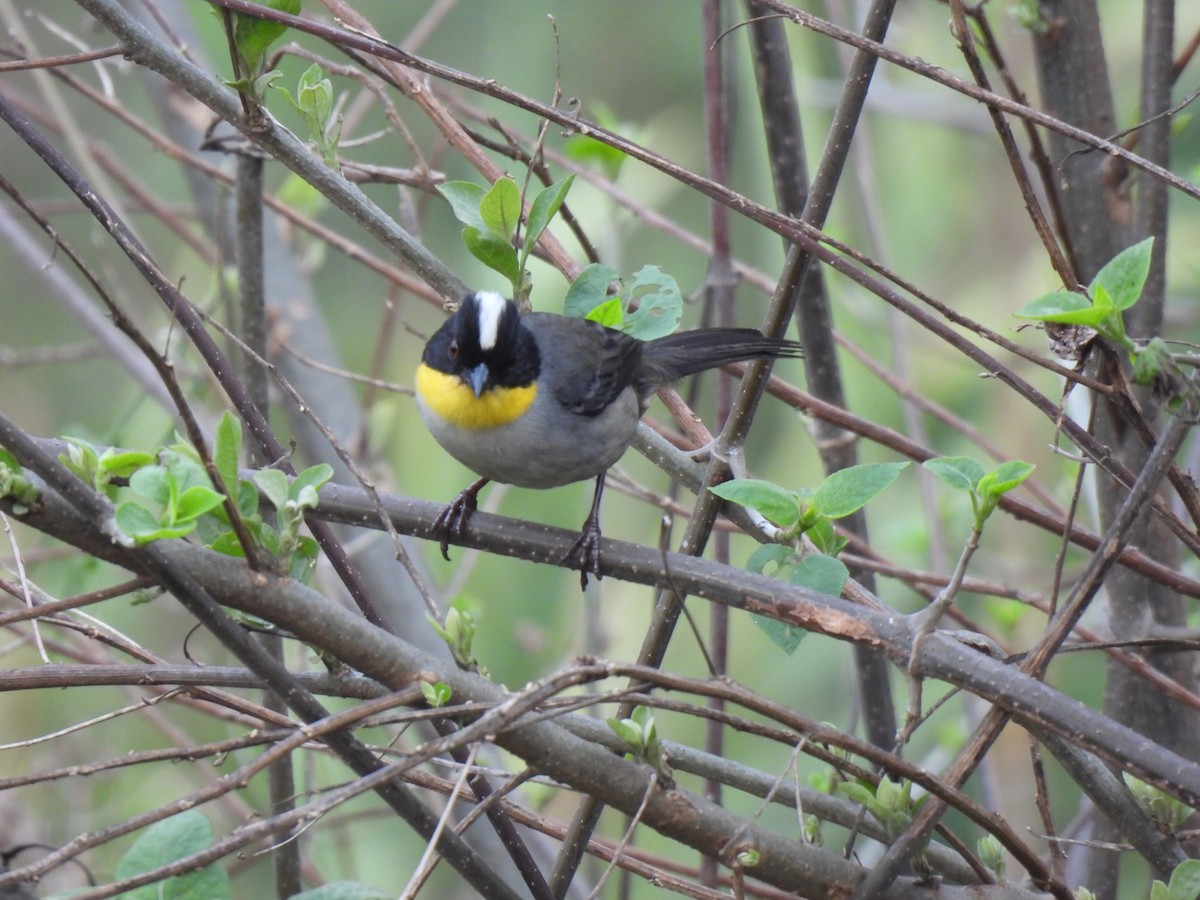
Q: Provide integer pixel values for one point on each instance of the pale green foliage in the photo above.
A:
(809, 512)
(640, 734)
(985, 488)
(314, 101)
(490, 219)
(1116, 287)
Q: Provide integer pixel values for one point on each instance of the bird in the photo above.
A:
(540, 400)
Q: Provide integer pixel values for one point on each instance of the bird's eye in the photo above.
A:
(452, 350)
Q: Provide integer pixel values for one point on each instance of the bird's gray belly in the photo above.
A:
(546, 447)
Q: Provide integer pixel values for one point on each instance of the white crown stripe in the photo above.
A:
(491, 308)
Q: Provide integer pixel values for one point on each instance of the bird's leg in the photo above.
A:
(454, 517)
(586, 550)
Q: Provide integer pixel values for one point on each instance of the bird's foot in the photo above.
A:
(585, 552)
(453, 519)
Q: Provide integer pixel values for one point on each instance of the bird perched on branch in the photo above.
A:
(540, 400)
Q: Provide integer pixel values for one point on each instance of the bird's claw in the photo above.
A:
(453, 519)
(585, 552)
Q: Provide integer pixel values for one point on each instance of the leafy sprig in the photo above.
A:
(639, 734)
(811, 513)
(491, 217)
(314, 101)
(1116, 288)
(985, 488)
(648, 307)
(169, 495)
(250, 38)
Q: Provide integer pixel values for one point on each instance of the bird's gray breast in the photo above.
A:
(546, 447)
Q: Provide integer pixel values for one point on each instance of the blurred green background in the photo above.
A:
(928, 193)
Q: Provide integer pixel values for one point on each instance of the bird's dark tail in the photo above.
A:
(688, 352)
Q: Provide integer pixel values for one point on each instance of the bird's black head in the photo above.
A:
(485, 345)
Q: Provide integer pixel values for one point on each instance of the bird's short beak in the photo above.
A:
(479, 377)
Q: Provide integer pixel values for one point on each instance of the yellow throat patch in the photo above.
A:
(453, 400)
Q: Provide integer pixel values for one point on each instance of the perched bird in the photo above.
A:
(541, 400)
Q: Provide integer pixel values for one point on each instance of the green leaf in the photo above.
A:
(1185, 880)
(301, 196)
(586, 149)
(629, 733)
(1159, 891)
(1004, 478)
(274, 485)
(165, 842)
(253, 36)
(464, 198)
(208, 527)
(458, 633)
(195, 502)
(159, 533)
(307, 498)
(609, 313)
(227, 544)
(822, 573)
(314, 97)
(500, 209)
(1109, 322)
(543, 208)
(1102, 301)
(181, 447)
(154, 482)
(589, 290)
(659, 305)
(777, 556)
(81, 458)
(644, 718)
(14, 484)
(589, 150)
(247, 500)
(268, 537)
(260, 84)
(784, 636)
(824, 536)
(1011, 473)
(1125, 274)
(775, 504)
(227, 450)
(436, 695)
(1151, 361)
(185, 467)
(996, 483)
(137, 521)
(493, 251)
(859, 793)
(748, 859)
(304, 559)
(1168, 813)
(343, 890)
(314, 477)
(848, 490)
(816, 571)
(122, 464)
(812, 831)
(889, 795)
(960, 472)
(991, 853)
(1063, 308)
